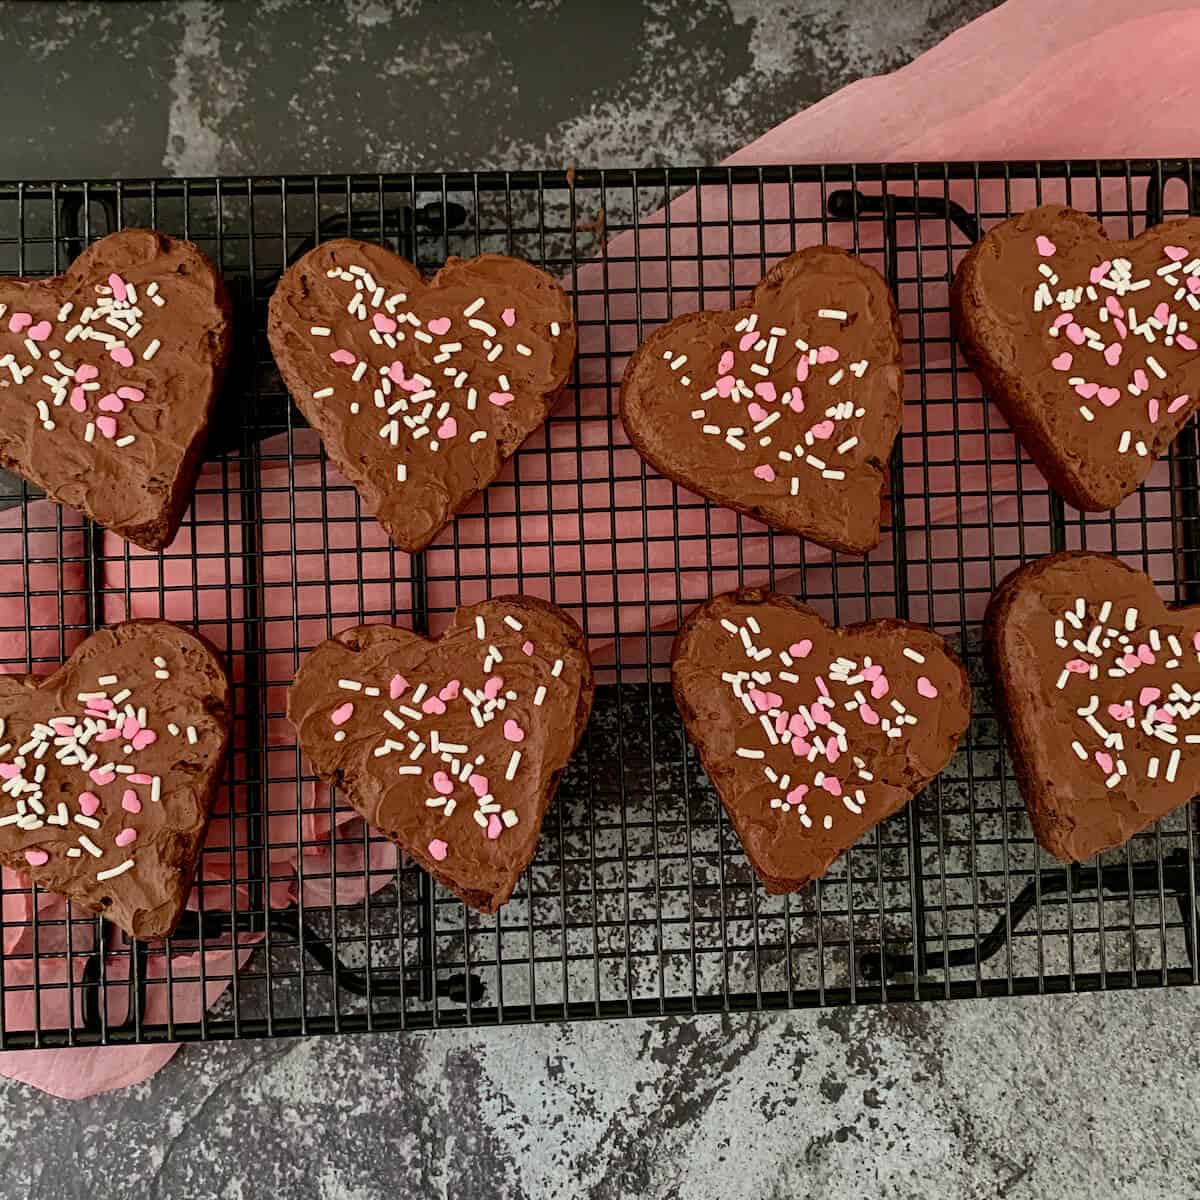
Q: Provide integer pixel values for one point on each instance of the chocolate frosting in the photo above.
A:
(420, 392)
(1100, 683)
(794, 425)
(452, 748)
(803, 779)
(1088, 346)
(129, 343)
(80, 752)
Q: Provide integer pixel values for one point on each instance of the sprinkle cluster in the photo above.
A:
(426, 407)
(850, 698)
(100, 745)
(1109, 317)
(450, 770)
(109, 331)
(762, 381)
(1139, 735)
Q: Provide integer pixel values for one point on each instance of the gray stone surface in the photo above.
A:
(1083, 1096)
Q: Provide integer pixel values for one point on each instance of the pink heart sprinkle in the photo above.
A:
(129, 727)
(827, 354)
(479, 784)
(800, 747)
(78, 399)
(822, 430)
(1112, 353)
(802, 369)
(1098, 273)
(797, 401)
(818, 714)
(448, 428)
(797, 794)
(1152, 409)
(832, 785)
(439, 325)
(766, 389)
(880, 688)
(1075, 334)
(1162, 312)
(19, 321)
(765, 472)
(111, 403)
(527, 648)
(397, 687)
(801, 649)
(1104, 761)
(36, 858)
(513, 732)
(756, 411)
(832, 753)
(725, 363)
(442, 784)
(491, 688)
(451, 690)
(342, 713)
(86, 372)
(1108, 396)
(725, 385)
(343, 356)
(1062, 362)
(509, 317)
(130, 802)
(434, 706)
(500, 399)
(868, 714)
(1120, 712)
(1193, 284)
(1045, 246)
(9, 770)
(131, 393)
(1186, 341)
(1148, 695)
(1129, 662)
(1177, 403)
(1087, 390)
(494, 827)
(1175, 253)
(121, 356)
(437, 850)
(383, 323)
(1140, 380)
(40, 332)
(926, 688)
(1114, 306)
(796, 724)
(89, 802)
(147, 737)
(1146, 654)
(126, 837)
(747, 341)
(107, 426)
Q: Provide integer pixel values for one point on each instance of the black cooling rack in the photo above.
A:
(639, 901)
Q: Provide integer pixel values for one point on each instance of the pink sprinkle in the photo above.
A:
(1045, 246)
(439, 325)
(747, 340)
(781, 722)
(78, 399)
(832, 785)
(126, 837)
(513, 732)
(437, 850)
(1185, 339)
(61, 728)
(383, 323)
(1120, 327)
(89, 802)
(1108, 396)
(1061, 320)
(494, 827)
(800, 747)
(397, 687)
(796, 725)
(479, 785)
(9, 770)
(101, 776)
(1077, 667)
(1062, 362)
(527, 648)
(1146, 654)
(121, 356)
(509, 317)
(725, 363)
(1120, 712)
(36, 858)
(797, 400)
(442, 783)
(1175, 253)
(868, 714)
(797, 794)
(822, 430)
(147, 737)
(109, 735)
(1086, 390)
(40, 332)
(1129, 662)
(1112, 353)
(802, 369)
(725, 385)
(1177, 403)
(1114, 306)
(880, 688)
(832, 753)
(86, 372)
(1193, 284)
(764, 700)
(107, 426)
(1196, 640)
(19, 321)
(1075, 333)
(447, 429)
(117, 284)
(766, 389)
(1148, 695)
(396, 375)
(1098, 273)
(130, 728)
(111, 403)
(800, 649)
(342, 713)
(130, 802)
(343, 356)
(1105, 762)
(1162, 312)
(451, 690)
(1140, 380)
(819, 715)
(765, 472)
(491, 689)
(827, 354)
(926, 688)
(131, 393)
(102, 703)
(1152, 409)
(141, 777)
(435, 706)
(500, 399)
(756, 411)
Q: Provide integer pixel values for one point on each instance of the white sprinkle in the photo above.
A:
(191, 735)
(350, 685)
(513, 623)
(513, 763)
(90, 432)
(742, 752)
(834, 314)
(1131, 619)
(127, 440)
(155, 789)
(1172, 766)
(173, 729)
(112, 871)
(1155, 366)
(320, 330)
(90, 846)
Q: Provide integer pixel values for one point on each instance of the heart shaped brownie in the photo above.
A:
(452, 748)
(420, 391)
(811, 734)
(108, 376)
(784, 408)
(1100, 684)
(108, 770)
(1088, 346)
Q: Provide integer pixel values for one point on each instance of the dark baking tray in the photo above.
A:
(640, 901)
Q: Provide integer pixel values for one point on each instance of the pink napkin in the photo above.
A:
(625, 550)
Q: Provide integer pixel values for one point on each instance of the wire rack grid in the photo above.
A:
(640, 900)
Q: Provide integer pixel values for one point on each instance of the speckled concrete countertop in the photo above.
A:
(1068, 1097)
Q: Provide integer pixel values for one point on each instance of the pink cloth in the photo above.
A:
(1072, 79)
